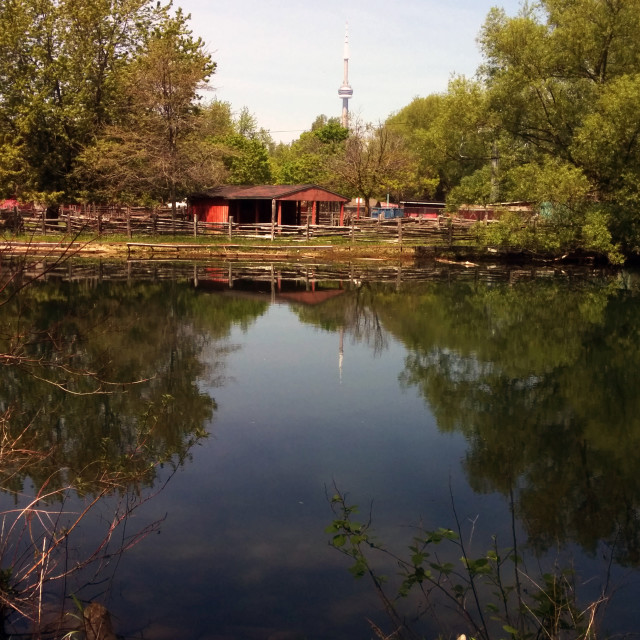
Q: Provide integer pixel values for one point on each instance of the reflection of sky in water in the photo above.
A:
(243, 552)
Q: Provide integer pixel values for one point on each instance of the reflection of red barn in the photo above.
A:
(309, 297)
(286, 204)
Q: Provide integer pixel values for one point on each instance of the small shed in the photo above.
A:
(259, 204)
(426, 210)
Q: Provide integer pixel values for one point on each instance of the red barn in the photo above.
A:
(258, 204)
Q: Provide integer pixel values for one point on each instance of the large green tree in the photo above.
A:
(155, 151)
(562, 82)
(307, 160)
(61, 70)
(246, 150)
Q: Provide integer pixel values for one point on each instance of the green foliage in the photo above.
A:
(551, 117)
(308, 160)
(155, 152)
(475, 188)
(95, 96)
(62, 66)
(376, 161)
(247, 161)
(491, 593)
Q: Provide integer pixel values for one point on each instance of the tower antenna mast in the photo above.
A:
(345, 91)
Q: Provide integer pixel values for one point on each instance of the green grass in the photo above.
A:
(218, 239)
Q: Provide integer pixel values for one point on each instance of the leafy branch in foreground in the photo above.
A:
(491, 594)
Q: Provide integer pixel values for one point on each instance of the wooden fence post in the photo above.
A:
(195, 225)
(400, 233)
(44, 222)
(230, 226)
(273, 219)
(129, 223)
(307, 227)
(353, 232)
(99, 216)
(68, 218)
(450, 233)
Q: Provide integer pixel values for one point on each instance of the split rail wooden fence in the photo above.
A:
(141, 223)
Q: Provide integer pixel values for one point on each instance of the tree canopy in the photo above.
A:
(99, 99)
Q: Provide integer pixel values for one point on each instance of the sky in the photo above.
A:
(283, 59)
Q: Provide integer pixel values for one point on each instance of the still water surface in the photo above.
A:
(414, 394)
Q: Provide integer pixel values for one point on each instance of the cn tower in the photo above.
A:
(345, 91)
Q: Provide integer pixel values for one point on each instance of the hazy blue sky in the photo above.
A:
(283, 59)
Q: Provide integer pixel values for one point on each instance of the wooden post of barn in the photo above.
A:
(400, 233)
(273, 219)
(230, 226)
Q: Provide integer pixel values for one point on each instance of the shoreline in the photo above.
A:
(123, 250)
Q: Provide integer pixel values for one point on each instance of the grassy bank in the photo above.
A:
(326, 249)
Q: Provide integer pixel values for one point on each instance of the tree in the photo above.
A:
(375, 161)
(562, 81)
(307, 160)
(452, 135)
(156, 152)
(61, 70)
(246, 150)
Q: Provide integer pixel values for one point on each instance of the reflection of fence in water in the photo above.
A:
(228, 273)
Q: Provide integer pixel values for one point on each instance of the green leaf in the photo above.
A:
(339, 540)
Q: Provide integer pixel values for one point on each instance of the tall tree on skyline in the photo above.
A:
(62, 65)
(156, 151)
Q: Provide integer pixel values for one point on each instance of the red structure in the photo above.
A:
(259, 204)
(425, 210)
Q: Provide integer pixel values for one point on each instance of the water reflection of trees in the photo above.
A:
(540, 378)
(101, 385)
(355, 312)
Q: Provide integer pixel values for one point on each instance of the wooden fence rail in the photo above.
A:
(140, 223)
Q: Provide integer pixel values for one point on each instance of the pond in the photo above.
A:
(216, 409)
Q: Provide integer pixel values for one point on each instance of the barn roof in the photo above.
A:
(266, 192)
